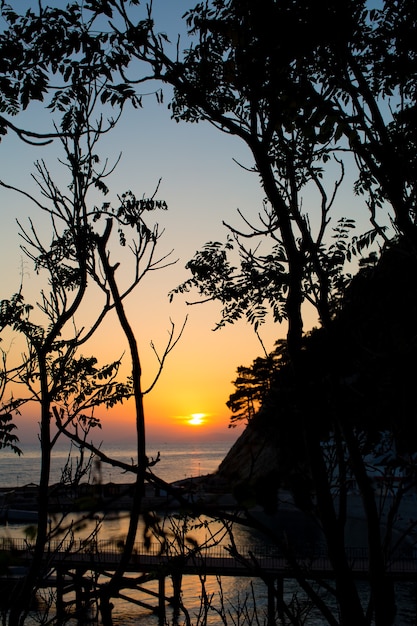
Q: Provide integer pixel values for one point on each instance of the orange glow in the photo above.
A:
(197, 419)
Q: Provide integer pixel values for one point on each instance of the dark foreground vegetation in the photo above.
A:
(312, 90)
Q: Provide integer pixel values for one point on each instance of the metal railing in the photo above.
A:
(264, 556)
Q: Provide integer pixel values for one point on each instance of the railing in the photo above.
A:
(217, 555)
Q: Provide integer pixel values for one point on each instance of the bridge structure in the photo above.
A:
(71, 565)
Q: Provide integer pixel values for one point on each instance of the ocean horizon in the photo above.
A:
(177, 461)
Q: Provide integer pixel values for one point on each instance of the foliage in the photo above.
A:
(276, 69)
(8, 439)
(61, 42)
(357, 372)
(300, 84)
(76, 270)
(280, 69)
(253, 385)
(260, 284)
(296, 101)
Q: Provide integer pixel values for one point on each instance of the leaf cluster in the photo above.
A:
(59, 52)
(242, 291)
(130, 212)
(247, 52)
(253, 385)
(249, 284)
(15, 313)
(80, 383)
(358, 372)
(8, 439)
(305, 81)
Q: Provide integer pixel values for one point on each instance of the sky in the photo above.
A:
(202, 185)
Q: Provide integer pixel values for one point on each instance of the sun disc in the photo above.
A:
(196, 419)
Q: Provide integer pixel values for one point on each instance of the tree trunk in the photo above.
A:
(112, 587)
(20, 604)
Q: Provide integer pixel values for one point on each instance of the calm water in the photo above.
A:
(231, 600)
(177, 461)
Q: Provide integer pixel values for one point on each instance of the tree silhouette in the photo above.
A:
(78, 269)
(300, 85)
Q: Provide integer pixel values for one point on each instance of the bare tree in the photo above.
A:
(76, 263)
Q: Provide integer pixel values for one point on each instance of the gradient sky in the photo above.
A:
(203, 186)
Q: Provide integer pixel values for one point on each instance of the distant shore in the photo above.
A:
(111, 496)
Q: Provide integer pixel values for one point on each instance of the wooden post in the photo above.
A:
(270, 581)
(78, 593)
(280, 599)
(60, 611)
(176, 600)
(161, 599)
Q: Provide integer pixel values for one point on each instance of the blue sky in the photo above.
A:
(202, 185)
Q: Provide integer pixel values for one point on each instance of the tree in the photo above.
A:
(78, 267)
(298, 84)
(294, 110)
(60, 41)
(253, 385)
(371, 79)
(367, 383)
(48, 54)
(250, 389)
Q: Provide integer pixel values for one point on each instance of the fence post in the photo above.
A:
(161, 598)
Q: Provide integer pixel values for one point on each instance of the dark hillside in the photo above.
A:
(363, 370)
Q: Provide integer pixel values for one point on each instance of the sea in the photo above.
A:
(209, 601)
(176, 462)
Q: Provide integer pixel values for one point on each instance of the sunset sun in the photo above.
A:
(196, 419)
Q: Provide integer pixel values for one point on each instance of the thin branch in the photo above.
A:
(168, 348)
